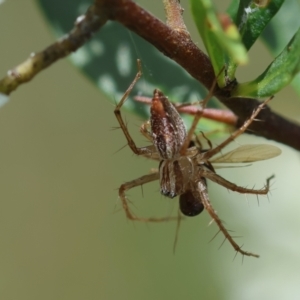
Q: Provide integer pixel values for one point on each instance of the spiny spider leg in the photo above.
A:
(179, 218)
(203, 195)
(238, 132)
(134, 183)
(207, 140)
(117, 111)
(145, 131)
(198, 116)
(231, 186)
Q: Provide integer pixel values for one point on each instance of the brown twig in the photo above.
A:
(219, 115)
(174, 43)
(84, 26)
(182, 49)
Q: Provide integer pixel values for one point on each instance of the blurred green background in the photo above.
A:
(63, 232)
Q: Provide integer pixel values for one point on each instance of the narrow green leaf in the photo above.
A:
(278, 74)
(280, 30)
(222, 43)
(251, 19)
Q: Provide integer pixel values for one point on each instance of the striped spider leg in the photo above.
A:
(144, 151)
(183, 169)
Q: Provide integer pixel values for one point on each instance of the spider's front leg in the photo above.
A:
(117, 111)
(203, 197)
(134, 183)
(197, 117)
(231, 186)
(145, 130)
(238, 132)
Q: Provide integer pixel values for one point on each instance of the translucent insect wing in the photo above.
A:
(248, 153)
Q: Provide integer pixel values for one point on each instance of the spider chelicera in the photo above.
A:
(183, 169)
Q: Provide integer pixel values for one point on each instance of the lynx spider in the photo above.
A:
(182, 169)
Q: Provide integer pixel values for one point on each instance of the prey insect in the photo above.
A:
(183, 169)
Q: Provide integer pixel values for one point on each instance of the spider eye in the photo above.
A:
(190, 205)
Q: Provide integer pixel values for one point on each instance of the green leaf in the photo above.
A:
(109, 60)
(278, 74)
(224, 46)
(280, 30)
(251, 19)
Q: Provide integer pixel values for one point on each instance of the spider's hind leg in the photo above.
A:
(233, 187)
(202, 190)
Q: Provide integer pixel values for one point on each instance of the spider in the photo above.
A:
(184, 168)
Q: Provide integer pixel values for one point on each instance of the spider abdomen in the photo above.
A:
(190, 204)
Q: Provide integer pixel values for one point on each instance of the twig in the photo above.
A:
(85, 25)
(219, 115)
(174, 43)
(181, 49)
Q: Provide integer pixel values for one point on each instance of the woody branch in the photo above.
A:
(173, 41)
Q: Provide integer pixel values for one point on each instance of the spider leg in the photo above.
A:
(207, 140)
(179, 218)
(238, 132)
(134, 183)
(202, 190)
(144, 129)
(198, 116)
(117, 111)
(152, 153)
(231, 186)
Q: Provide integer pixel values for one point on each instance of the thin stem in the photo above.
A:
(182, 50)
(84, 26)
(173, 43)
(219, 115)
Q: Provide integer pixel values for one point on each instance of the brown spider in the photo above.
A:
(183, 169)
